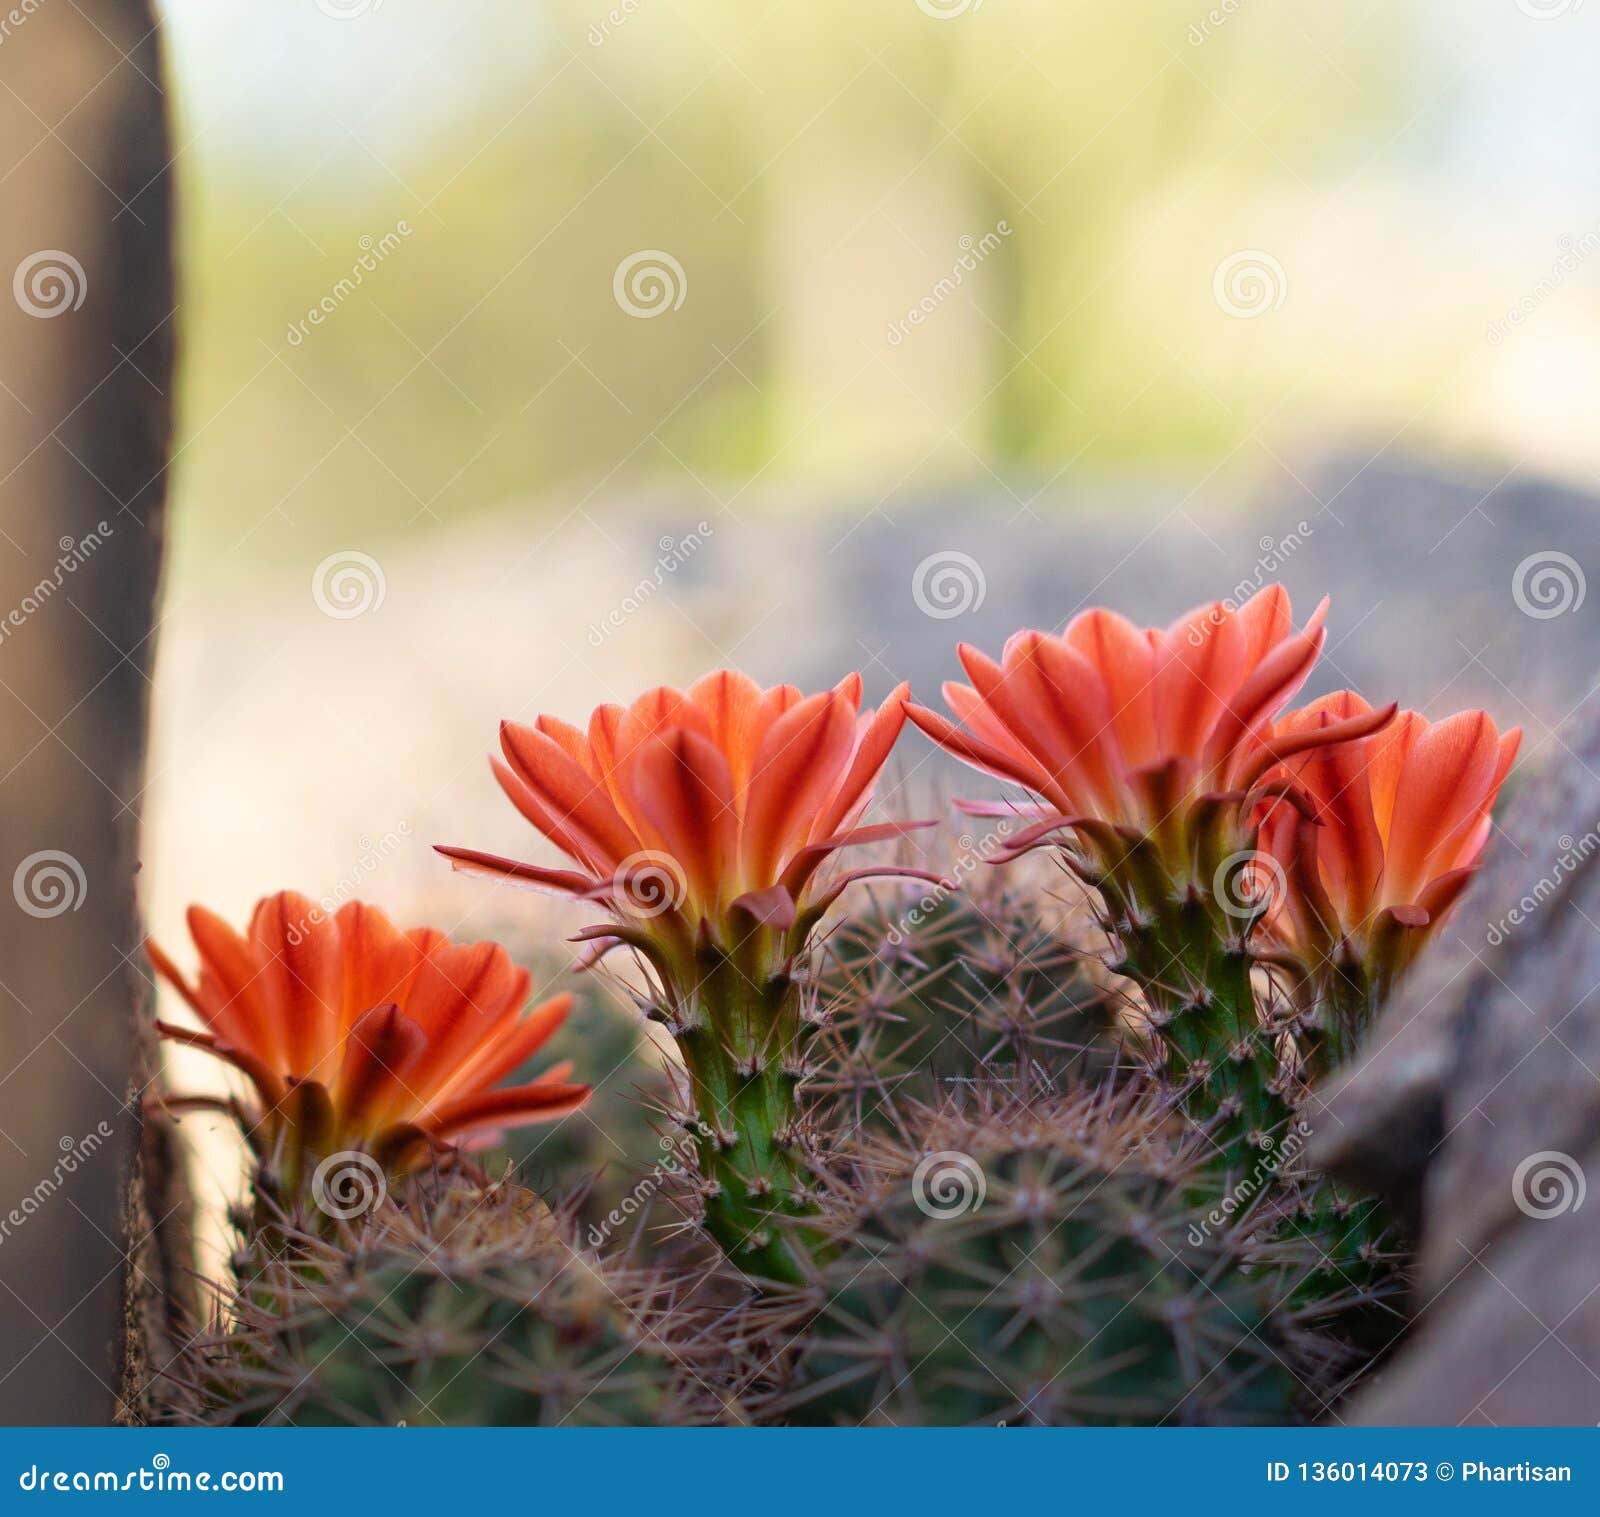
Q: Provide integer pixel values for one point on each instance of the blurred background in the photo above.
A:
(532, 352)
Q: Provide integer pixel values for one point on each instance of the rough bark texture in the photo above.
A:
(86, 356)
(1477, 1104)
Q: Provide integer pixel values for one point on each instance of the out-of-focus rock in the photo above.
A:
(1478, 1098)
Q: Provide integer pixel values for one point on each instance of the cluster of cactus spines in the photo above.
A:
(924, 988)
(1038, 1263)
(470, 1308)
(743, 1037)
(1191, 955)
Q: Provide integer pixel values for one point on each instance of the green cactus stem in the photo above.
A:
(742, 1030)
(1194, 966)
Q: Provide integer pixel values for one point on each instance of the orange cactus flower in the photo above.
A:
(1116, 726)
(702, 820)
(357, 1036)
(1147, 748)
(1385, 835)
(706, 810)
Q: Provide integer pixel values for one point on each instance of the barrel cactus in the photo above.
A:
(471, 1308)
(922, 988)
(1041, 1264)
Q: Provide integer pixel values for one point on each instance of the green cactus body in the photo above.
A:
(971, 984)
(508, 1327)
(1027, 1268)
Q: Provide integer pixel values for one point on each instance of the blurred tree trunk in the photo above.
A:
(86, 356)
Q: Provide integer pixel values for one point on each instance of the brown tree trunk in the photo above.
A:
(86, 356)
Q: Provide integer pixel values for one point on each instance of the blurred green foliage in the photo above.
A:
(813, 167)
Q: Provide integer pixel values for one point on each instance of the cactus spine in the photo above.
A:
(1035, 1265)
(474, 1311)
